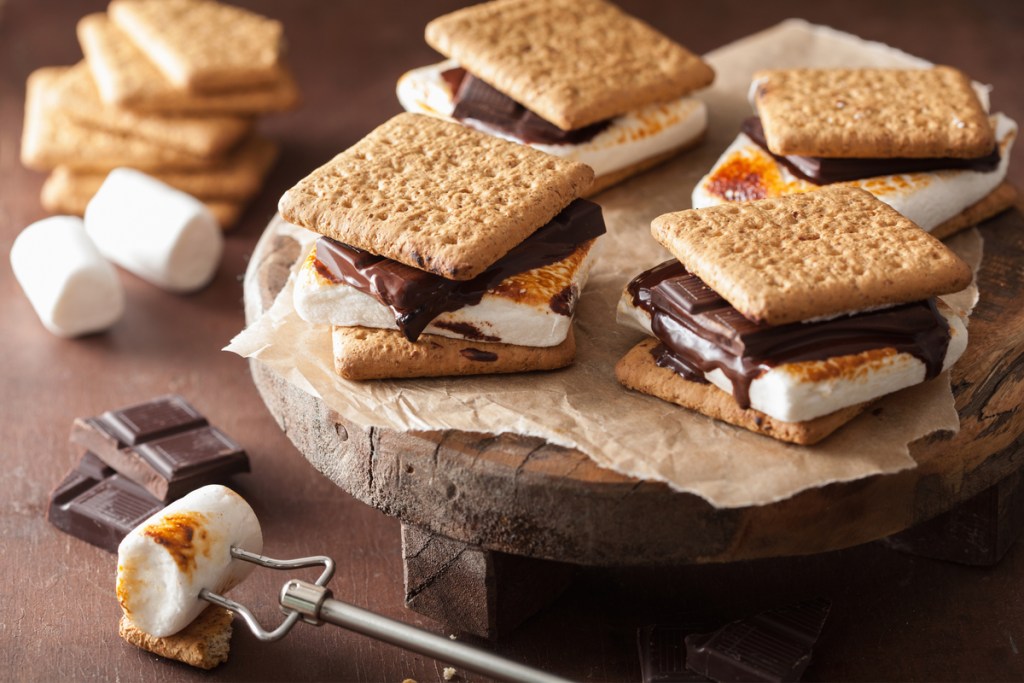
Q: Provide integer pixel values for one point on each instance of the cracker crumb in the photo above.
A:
(453, 637)
(408, 680)
(449, 673)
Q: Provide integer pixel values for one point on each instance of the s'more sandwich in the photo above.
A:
(578, 79)
(787, 316)
(920, 140)
(444, 251)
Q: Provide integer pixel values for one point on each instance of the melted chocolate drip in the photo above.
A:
(416, 297)
(822, 170)
(478, 355)
(700, 332)
(475, 99)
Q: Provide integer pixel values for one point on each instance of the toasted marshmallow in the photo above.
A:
(161, 234)
(745, 171)
(796, 392)
(164, 562)
(631, 137)
(71, 287)
(520, 310)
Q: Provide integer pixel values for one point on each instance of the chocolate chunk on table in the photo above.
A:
(663, 651)
(770, 646)
(98, 505)
(165, 445)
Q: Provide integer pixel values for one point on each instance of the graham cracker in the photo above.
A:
(75, 94)
(872, 113)
(802, 256)
(995, 202)
(61, 196)
(204, 643)
(51, 139)
(572, 62)
(362, 353)
(202, 45)
(435, 195)
(238, 177)
(638, 370)
(126, 78)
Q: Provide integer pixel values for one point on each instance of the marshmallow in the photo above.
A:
(629, 139)
(929, 199)
(516, 311)
(163, 563)
(72, 288)
(795, 392)
(161, 234)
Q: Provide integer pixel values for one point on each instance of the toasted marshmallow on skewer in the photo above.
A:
(161, 234)
(72, 288)
(165, 562)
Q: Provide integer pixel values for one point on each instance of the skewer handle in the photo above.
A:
(315, 604)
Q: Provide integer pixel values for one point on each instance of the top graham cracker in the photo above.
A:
(201, 45)
(803, 256)
(872, 113)
(572, 62)
(435, 195)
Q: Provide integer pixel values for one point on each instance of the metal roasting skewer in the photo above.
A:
(312, 602)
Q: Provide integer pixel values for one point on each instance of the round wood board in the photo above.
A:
(520, 495)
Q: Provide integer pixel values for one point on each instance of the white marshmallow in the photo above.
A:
(161, 234)
(628, 140)
(163, 563)
(72, 288)
(928, 199)
(786, 392)
(517, 311)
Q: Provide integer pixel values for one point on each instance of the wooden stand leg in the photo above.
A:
(473, 590)
(979, 531)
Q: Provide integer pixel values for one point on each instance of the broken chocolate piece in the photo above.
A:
(98, 505)
(663, 651)
(771, 646)
(165, 445)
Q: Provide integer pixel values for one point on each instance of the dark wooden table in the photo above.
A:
(894, 616)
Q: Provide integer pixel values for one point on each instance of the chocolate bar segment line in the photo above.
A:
(97, 505)
(165, 445)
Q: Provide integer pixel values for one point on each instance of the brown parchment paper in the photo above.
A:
(583, 406)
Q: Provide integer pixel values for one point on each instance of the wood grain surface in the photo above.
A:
(894, 616)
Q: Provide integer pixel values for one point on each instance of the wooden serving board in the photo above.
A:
(520, 496)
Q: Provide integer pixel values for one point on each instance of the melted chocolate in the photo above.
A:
(822, 170)
(475, 99)
(416, 297)
(700, 332)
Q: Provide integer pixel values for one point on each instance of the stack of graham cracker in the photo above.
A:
(168, 87)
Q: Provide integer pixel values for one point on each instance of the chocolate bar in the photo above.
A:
(98, 505)
(164, 444)
(825, 170)
(663, 651)
(475, 99)
(416, 297)
(771, 646)
(700, 331)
